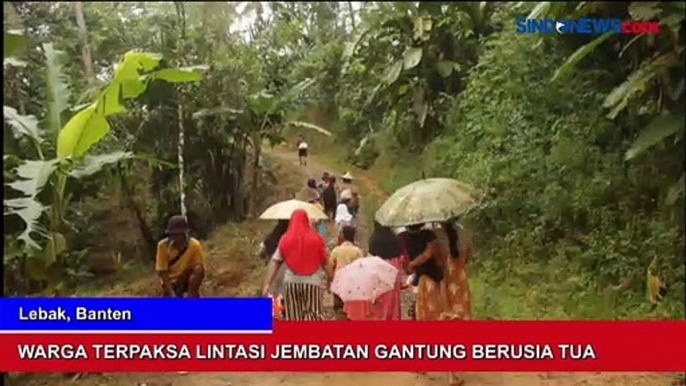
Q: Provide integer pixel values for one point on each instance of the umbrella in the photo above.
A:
(283, 211)
(429, 200)
(364, 279)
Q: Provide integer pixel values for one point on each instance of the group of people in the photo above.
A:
(429, 258)
(433, 259)
(340, 202)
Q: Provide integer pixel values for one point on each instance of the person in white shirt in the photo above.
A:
(343, 218)
(347, 188)
(302, 150)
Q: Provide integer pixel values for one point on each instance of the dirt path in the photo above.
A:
(315, 168)
(368, 379)
(299, 175)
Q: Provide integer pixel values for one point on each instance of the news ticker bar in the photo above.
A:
(365, 346)
(135, 315)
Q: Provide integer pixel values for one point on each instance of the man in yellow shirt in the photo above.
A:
(180, 261)
(343, 255)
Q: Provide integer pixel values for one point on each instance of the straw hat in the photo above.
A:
(347, 176)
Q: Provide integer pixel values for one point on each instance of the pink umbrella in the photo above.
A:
(364, 279)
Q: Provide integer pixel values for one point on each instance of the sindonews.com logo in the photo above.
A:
(586, 26)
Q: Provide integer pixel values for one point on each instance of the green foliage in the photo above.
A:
(91, 165)
(81, 132)
(23, 125)
(637, 81)
(74, 139)
(131, 79)
(559, 190)
(43, 236)
(14, 46)
(406, 62)
(579, 55)
(662, 66)
(178, 75)
(31, 178)
(57, 99)
(663, 126)
(584, 173)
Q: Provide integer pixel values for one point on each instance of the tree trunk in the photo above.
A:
(352, 15)
(85, 47)
(257, 150)
(179, 150)
(181, 13)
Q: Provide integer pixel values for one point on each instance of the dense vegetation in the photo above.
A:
(576, 140)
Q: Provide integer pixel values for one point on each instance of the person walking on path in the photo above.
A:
(267, 249)
(323, 183)
(271, 242)
(302, 150)
(443, 292)
(349, 190)
(312, 185)
(311, 196)
(180, 260)
(386, 245)
(330, 197)
(307, 276)
(457, 250)
(343, 218)
(424, 251)
(320, 225)
(341, 256)
(458, 297)
(426, 260)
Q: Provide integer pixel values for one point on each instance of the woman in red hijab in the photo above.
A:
(306, 276)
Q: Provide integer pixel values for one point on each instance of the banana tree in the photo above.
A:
(40, 186)
(262, 118)
(656, 83)
(431, 46)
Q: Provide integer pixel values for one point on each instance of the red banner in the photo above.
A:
(365, 346)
